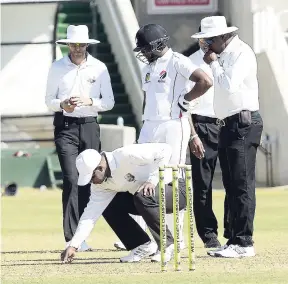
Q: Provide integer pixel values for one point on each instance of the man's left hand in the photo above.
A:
(209, 57)
(81, 101)
(148, 189)
(68, 255)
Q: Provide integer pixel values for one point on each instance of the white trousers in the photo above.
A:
(176, 133)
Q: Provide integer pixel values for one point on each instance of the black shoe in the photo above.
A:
(212, 243)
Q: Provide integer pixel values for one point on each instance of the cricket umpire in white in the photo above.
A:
(236, 104)
(168, 96)
(78, 87)
(203, 154)
(125, 182)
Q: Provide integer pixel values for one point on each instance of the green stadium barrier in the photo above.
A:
(26, 171)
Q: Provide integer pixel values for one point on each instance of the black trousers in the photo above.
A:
(238, 142)
(127, 229)
(73, 136)
(202, 177)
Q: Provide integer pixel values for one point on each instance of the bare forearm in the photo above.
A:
(192, 128)
(199, 89)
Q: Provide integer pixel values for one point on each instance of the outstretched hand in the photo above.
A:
(68, 255)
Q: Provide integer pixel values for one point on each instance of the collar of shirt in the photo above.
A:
(232, 46)
(166, 56)
(111, 162)
(88, 62)
(202, 53)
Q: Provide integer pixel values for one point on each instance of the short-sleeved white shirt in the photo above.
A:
(165, 81)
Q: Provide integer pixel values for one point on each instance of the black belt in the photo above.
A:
(61, 120)
(236, 116)
(233, 118)
(203, 119)
(79, 120)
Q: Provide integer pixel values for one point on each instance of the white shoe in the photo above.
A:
(83, 247)
(236, 251)
(119, 246)
(212, 252)
(140, 252)
(168, 254)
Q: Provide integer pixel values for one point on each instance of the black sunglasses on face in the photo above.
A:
(207, 41)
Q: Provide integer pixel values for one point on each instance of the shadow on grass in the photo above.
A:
(53, 251)
(55, 259)
(59, 263)
(77, 261)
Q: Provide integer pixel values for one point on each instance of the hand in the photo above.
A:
(148, 189)
(81, 101)
(67, 255)
(209, 57)
(197, 148)
(66, 105)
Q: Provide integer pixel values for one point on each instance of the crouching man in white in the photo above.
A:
(125, 182)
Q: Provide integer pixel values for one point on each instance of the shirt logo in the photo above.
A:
(130, 178)
(91, 80)
(162, 76)
(147, 78)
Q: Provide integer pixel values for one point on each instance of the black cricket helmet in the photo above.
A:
(150, 40)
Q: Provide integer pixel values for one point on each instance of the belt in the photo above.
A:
(232, 118)
(203, 119)
(79, 120)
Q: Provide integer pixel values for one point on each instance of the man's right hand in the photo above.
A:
(197, 147)
(68, 255)
(67, 106)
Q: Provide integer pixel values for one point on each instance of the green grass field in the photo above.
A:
(32, 241)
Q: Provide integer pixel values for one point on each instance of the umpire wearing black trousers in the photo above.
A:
(78, 88)
(203, 154)
(234, 67)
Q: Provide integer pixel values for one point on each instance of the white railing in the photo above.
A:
(121, 26)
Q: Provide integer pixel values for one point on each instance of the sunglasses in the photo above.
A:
(81, 45)
(207, 41)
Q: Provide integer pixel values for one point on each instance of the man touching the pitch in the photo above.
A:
(125, 182)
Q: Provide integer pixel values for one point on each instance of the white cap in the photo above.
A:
(77, 34)
(214, 26)
(86, 163)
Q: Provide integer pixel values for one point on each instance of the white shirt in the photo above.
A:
(205, 105)
(165, 81)
(130, 167)
(235, 80)
(90, 79)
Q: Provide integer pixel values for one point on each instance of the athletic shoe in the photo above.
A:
(212, 252)
(140, 252)
(236, 251)
(168, 255)
(212, 243)
(119, 246)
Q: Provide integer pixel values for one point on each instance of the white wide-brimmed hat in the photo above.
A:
(86, 163)
(214, 26)
(77, 34)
